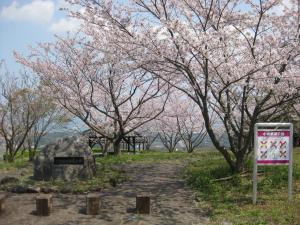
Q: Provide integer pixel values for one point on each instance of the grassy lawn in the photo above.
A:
(231, 200)
(147, 157)
(21, 161)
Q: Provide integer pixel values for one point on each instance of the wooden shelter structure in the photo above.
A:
(130, 143)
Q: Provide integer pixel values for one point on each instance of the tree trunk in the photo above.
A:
(31, 154)
(117, 146)
(10, 158)
(171, 148)
(105, 147)
(240, 163)
(189, 145)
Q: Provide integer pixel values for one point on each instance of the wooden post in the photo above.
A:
(92, 204)
(44, 204)
(2, 199)
(143, 203)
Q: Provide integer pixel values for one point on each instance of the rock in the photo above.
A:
(22, 174)
(20, 189)
(45, 190)
(33, 190)
(66, 190)
(9, 179)
(95, 189)
(67, 159)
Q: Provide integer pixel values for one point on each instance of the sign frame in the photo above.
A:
(274, 127)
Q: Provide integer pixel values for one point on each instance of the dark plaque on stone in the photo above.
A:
(68, 160)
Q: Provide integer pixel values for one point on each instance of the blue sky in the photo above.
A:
(26, 22)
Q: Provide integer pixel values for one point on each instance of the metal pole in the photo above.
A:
(254, 197)
(290, 177)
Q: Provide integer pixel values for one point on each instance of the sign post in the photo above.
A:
(273, 145)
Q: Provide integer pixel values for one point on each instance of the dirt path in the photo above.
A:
(171, 202)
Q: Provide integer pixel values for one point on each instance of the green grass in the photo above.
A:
(97, 150)
(146, 157)
(21, 161)
(17, 164)
(231, 200)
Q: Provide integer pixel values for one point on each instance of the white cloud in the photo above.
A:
(289, 4)
(65, 25)
(63, 4)
(37, 11)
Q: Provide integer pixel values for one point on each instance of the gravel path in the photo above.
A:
(171, 202)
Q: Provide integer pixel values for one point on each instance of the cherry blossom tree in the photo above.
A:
(18, 112)
(190, 124)
(168, 131)
(149, 132)
(108, 92)
(50, 117)
(236, 58)
(181, 121)
(27, 113)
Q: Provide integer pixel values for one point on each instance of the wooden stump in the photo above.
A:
(2, 199)
(143, 203)
(44, 205)
(92, 204)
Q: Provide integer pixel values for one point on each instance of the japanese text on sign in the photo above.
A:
(273, 147)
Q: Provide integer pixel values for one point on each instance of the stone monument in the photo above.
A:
(66, 159)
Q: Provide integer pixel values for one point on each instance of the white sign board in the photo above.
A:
(273, 145)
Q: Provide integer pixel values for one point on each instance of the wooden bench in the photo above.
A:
(92, 204)
(44, 204)
(143, 203)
